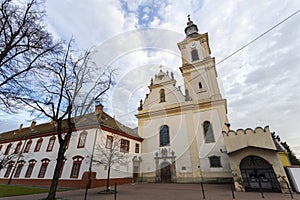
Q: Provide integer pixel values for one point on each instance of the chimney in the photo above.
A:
(98, 110)
(33, 123)
(20, 127)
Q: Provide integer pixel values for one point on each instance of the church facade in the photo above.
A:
(187, 136)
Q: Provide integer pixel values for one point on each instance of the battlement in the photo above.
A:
(247, 131)
(243, 138)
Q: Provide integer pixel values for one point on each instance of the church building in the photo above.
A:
(187, 136)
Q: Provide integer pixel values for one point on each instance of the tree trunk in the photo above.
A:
(107, 180)
(54, 183)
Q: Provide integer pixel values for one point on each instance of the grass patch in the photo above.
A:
(16, 190)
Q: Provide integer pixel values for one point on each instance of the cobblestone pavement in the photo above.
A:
(155, 191)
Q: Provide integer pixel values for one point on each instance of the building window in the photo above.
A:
(200, 85)
(109, 142)
(18, 147)
(82, 139)
(51, 143)
(164, 135)
(215, 161)
(77, 160)
(7, 149)
(124, 146)
(30, 168)
(162, 95)
(195, 55)
(137, 148)
(27, 147)
(19, 168)
(208, 132)
(43, 168)
(38, 145)
(9, 168)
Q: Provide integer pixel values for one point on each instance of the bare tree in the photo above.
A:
(65, 90)
(24, 43)
(110, 152)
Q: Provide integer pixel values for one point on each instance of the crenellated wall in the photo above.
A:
(242, 138)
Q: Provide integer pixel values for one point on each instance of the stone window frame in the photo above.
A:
(77, 160)
(164, 137)
(51, 143)
(9, 168)
(109, 141)
(215, 161)
(7, 150)
(82, 139)
(19, 168)
(43, 168)
(162, 95)
(208, 132)
(38, 145)
(30, 168)
(137, 148)
(124, 147)
(194, 55)
(27, 146)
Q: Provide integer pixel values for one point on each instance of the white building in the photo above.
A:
(38, 146)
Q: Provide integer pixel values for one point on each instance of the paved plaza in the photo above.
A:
(154, 191)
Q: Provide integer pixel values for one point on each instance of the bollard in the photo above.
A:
(261, 190)
(203, 194)
(289, 190)
(115, 194)
(232, 190)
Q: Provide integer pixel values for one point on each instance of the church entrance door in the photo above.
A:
(258, 173)
(165, 172)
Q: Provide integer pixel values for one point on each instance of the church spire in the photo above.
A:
(191, 28)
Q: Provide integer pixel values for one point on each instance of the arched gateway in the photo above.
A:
(258, 173)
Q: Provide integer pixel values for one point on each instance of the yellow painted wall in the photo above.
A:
(284, 157)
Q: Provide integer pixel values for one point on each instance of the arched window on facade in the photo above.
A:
(195, 55)
(51, 143)
(27, 147)
(38, 145)
(18, 147)
(162, 95)
(19, 168)
(77, 160)
(9, 168)
(82, 139)
(30, 168)
(164, 135)
(43, 168)
(7, 149)
(208, 132)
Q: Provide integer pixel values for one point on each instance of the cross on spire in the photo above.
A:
(161, 66)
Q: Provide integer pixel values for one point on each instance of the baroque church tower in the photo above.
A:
(182, 130)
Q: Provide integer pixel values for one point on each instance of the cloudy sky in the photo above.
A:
(261, 83)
